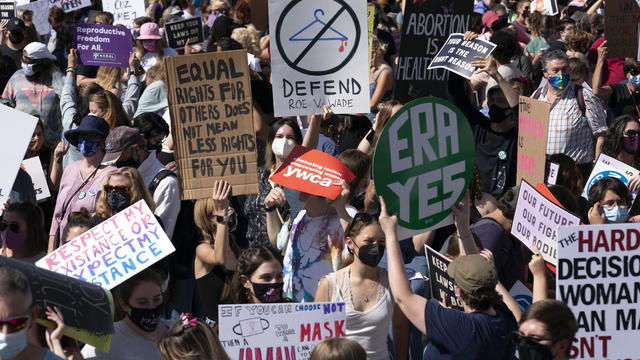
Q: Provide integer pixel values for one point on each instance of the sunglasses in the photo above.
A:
(12, 226)
(118, 188)
(359, 217)
(15, 323)
(518, 336)
(631, 133)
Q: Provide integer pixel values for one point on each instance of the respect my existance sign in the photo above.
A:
(114, 250)
(598, 270)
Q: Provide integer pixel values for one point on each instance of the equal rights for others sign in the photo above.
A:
(457, 54)
(312, 171)
(319, 56)
(598, 270)
(113, 251)
(102, 45)
(536, 222)
(280, 330)
(212, 122)
(423, 164)
(533, 130)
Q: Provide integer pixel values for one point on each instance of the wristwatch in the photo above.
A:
(222, 219)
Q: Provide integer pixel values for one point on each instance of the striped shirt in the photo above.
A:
(570, 133)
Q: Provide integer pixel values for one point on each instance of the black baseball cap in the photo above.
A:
(16, 24)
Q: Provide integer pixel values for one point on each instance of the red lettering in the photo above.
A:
(584, 241)
(326, 326)
(279, 353)
(527, 164)
(317, 334)
(617, 236)
(51, 262)
(636, 237)
(601, 242)
(339, 326)
(305, 331)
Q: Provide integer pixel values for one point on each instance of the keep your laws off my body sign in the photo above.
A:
(423, 164)
(319, 56)
(211, 122)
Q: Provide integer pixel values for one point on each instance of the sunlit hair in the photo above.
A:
(191, 338)
(248, 262)
(203, 212)
(114, 113)
(109, 77)
(359, 164)
(137, 191)
(338, 349)
(248, 37)
(105, 18)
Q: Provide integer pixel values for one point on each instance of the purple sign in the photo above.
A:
(102, 45)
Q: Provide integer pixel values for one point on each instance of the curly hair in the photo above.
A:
(248, 262)
(482, 301)
(578, 41)
(191, 338)
(248, 37)
(137, 191)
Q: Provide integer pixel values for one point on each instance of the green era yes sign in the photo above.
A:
(424, 162)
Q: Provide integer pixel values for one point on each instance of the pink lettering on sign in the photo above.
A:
(526, 164)
(531, 126)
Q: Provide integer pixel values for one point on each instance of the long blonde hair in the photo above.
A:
(137, 191)
(202, 213)
(114, 113)
(109, 77)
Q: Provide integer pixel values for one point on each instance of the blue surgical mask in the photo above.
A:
(88, 147)
(559, 81)
(635, 81)
(617, 214)
(11, 345)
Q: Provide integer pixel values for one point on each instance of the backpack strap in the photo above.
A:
(159, 177)
(536, 93)
(580, 97)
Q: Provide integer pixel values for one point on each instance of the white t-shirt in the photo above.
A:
(151, 58)
(126, 344)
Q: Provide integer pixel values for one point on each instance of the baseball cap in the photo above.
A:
(120, 139)
(16, 24)
(473, 274)
(37, 51)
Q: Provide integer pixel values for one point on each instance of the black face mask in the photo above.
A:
(157, 147)
(497, 114)
(371, 254)
(268, 293)
(131, 162)
(530, 350)
(16, 37)
(146, 319)
(118, 201)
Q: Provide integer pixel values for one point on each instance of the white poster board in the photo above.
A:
(536, 222)
(521, 294)
(114, 250)
(597, 277)
(33, 166)
(606, 166)
(17, 129)
(71, 5)
(124, 12)
(40, 10)
(319, 54)
(278, 331)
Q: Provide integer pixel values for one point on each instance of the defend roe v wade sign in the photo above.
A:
(320, 57)
(423, 164)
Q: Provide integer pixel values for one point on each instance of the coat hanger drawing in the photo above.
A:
(339, 35)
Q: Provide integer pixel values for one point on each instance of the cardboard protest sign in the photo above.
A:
(598, 269)
(40, 10)
(427, 24)
(621, 18)
(536, 222)
(16, 134)
(533, 131)
(102, 45)
(545, 7)
(83, 305)
(456, 54)
(179, 32)
(124, 11)
(7, 10)
(260, 14)
(312, 171)
(442, 285)
(70, 5)
(113, 251)
(278, 331)
(319, 56)
(521, 294)
(606, 166)
(211, 122)
(33, 167)
(423, 164)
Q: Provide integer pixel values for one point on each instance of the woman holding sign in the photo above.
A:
(364, 287)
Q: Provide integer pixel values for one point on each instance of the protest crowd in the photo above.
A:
(211, 179)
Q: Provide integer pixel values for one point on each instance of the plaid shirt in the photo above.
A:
(570, 133)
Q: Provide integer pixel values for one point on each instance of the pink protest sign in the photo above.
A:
(114, 250)
(533, 131)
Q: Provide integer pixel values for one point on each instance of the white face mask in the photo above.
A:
(28, 69)
(282, 147)
(12, 344)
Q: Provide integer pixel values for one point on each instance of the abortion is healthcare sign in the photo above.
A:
(114, 250)
(423, 164)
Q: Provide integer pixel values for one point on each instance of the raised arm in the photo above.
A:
(489, 66)
(216, 256)
(461, 218)
(603, 92)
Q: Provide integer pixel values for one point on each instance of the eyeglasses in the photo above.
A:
(118, 188)
(631, 133)
(15, 323)
(532, 339)
(611, 203)
(15, 227)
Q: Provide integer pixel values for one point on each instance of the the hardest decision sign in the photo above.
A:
(114, 250)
